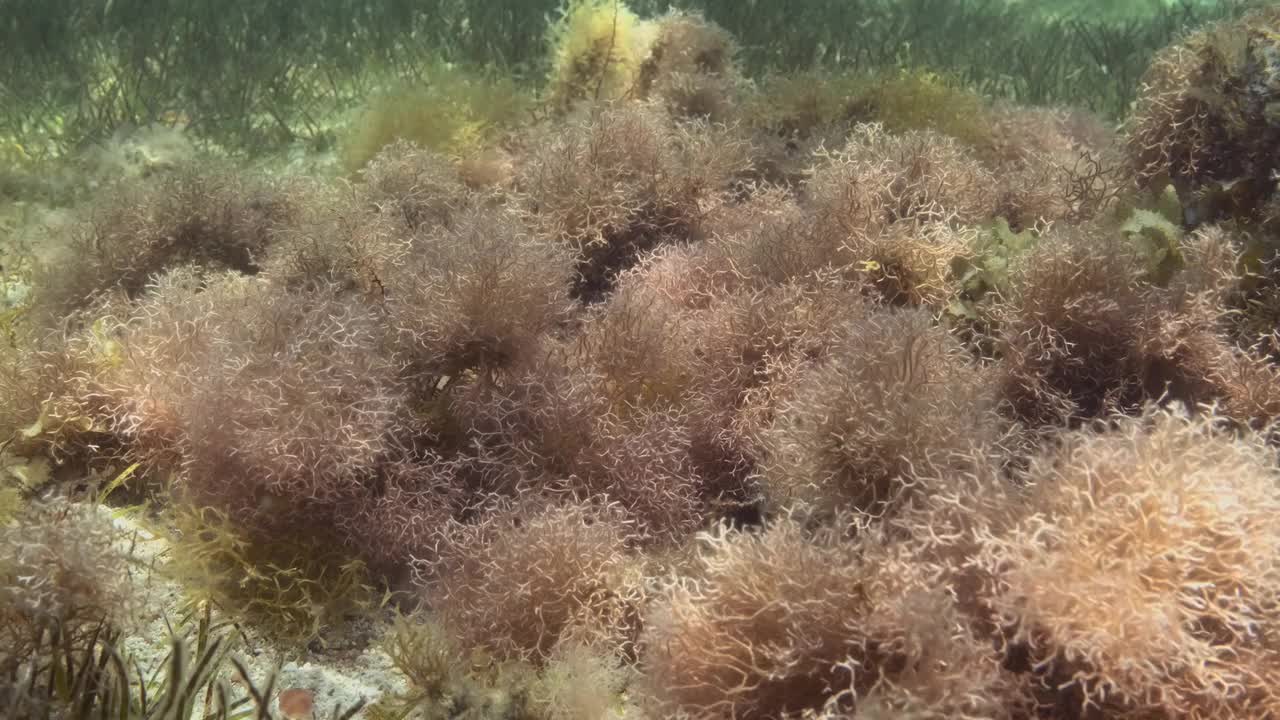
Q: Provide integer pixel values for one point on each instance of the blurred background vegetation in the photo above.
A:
(257, 75)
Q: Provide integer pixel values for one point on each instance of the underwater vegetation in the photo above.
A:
(644, 382)
(251, 76)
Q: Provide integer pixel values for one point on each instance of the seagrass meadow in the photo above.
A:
(593, 359)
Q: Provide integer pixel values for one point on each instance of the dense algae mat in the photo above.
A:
(664, 388)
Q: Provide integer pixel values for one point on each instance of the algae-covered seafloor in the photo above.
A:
(857, 359)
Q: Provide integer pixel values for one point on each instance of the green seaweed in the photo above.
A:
(70, 679)
(984, 275)
(288, 589)
(1158, 241)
